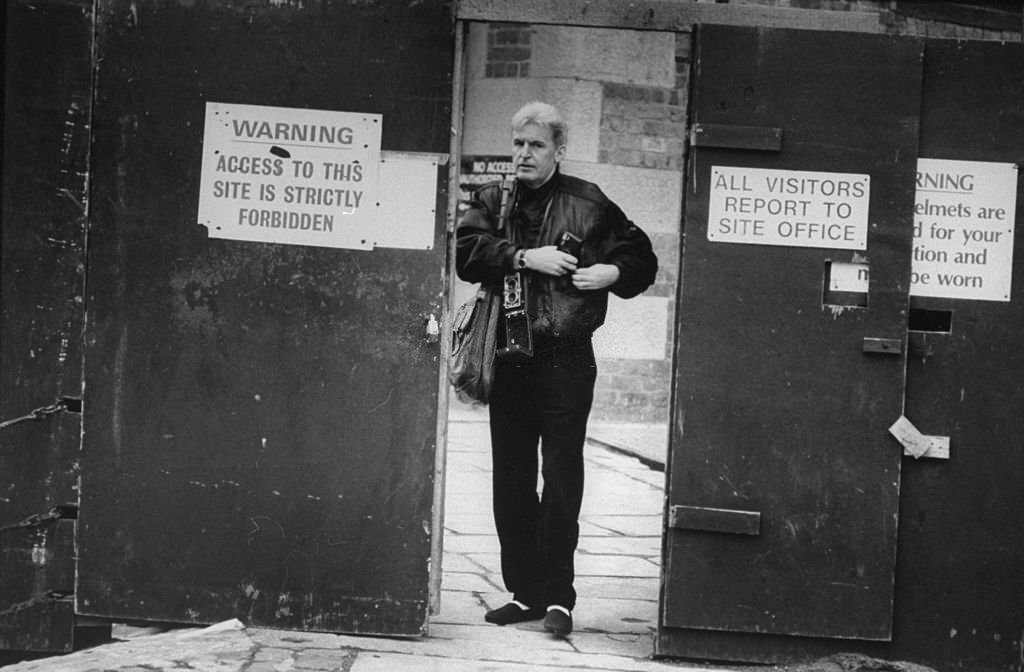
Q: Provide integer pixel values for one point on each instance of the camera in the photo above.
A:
(518, 339)
(570, 244)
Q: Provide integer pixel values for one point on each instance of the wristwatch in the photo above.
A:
(520, 259)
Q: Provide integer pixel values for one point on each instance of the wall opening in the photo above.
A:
(624, 96)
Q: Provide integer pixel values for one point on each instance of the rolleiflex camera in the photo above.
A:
(518, 339)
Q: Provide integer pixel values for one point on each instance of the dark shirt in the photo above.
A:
(529, 210)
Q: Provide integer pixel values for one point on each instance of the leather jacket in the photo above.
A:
(557, 309)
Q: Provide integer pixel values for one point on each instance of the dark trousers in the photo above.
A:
(544, 399)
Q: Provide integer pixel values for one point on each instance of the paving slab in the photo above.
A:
(471, 543)
(469, 524)
(470, 583)
(488, 562)
(647, 546)
(224, 647)
(627, 525)
(618, 616)
(645, 441)
(615, 565)
(618, 587)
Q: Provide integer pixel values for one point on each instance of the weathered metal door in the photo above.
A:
(260, 418)
(47, 96)
(783, 479)
(960, 532)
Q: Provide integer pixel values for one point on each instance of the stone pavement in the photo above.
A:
(646, 442)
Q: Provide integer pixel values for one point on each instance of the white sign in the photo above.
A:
(793, 208)
(407, 212)
(915, 443)
(963, 229)
(848, 277)
(290, 175)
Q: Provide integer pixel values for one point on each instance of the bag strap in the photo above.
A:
(508, 197)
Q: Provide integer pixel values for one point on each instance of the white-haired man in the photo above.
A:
(546, 398)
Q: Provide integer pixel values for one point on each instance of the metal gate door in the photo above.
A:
(960, 531)
(47, 99)
(259, 425)
(784, 481)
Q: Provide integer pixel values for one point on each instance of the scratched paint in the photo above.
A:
(46, 131)
(39, 555)
(222, 293)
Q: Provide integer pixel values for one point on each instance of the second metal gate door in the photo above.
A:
(260, 419)
(784, 481)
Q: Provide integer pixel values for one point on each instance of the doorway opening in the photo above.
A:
(627, 133)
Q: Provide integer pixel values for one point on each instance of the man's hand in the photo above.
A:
(597, 276)
(549, 260)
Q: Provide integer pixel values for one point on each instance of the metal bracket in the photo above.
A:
(883, 346)
(707, 519)
(63, 404)
(736, 137)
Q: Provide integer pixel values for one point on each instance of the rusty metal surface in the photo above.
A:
(38, 560)
(45, 134)
(959, 580)
(777, 409)
(259, 437)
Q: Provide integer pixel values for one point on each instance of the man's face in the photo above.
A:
(535, 155)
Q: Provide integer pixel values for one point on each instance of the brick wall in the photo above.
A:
(644, 126)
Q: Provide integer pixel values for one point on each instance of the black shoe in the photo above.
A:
(512, 613)
(558, 623)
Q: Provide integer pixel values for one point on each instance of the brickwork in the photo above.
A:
(632, 391)
(666, 246)
(509, 48)
(641, 127)
(644, 126)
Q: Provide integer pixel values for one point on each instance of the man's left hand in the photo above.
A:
(597, 276)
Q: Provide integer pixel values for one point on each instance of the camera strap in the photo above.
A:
(509, 189)
(518, 336)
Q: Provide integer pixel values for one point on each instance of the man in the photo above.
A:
(546, 397)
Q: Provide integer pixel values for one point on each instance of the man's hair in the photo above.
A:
(543, 115)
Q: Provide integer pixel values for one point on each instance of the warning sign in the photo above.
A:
(963, 229)
(286, 175)
(788, 207)
(477, 170)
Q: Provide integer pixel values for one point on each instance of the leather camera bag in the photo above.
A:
(474, 335)
(475, 331)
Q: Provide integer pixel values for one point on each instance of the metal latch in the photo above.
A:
(883, 346)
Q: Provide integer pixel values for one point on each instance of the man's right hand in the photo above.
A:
(549, 260)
